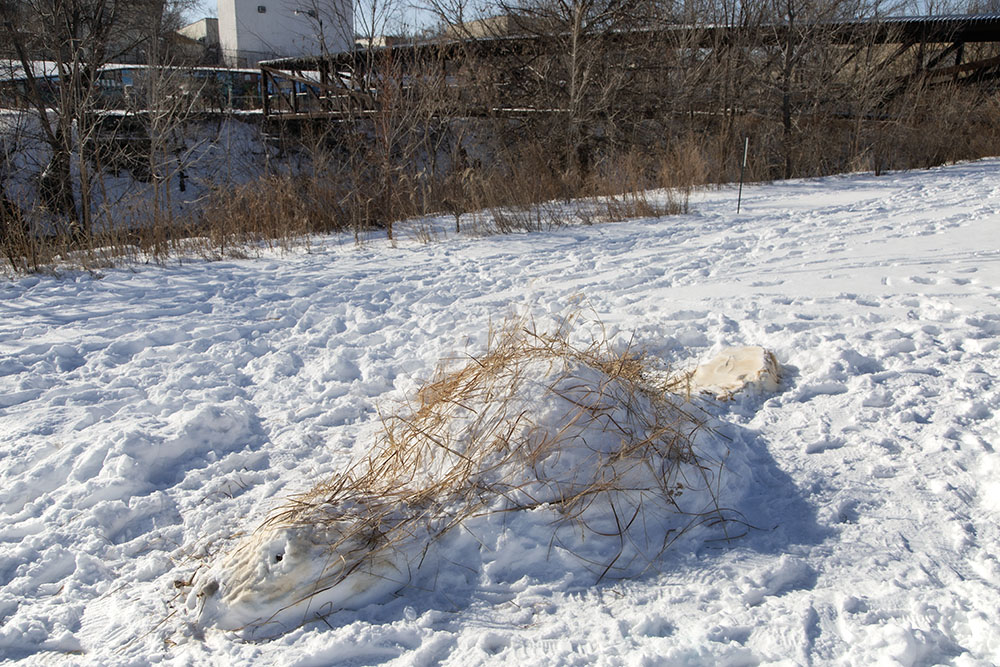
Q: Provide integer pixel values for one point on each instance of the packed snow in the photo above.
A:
(151, 418)
(733, 370)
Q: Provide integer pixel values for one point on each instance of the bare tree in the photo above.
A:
(332, 22)
(80, 37)
(574, 61)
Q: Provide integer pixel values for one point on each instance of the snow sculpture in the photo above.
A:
(579, 447)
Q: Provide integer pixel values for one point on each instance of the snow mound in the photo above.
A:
(575, 448)
(736, 369)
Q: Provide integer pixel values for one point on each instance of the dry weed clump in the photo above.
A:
(600, 455)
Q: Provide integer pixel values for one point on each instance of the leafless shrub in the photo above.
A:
(276, 211)
(19, 246)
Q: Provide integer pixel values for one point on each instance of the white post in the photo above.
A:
(739, 197)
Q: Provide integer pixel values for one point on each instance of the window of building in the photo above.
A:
(261, 9)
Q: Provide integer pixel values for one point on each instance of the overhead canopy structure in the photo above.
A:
(310, 85)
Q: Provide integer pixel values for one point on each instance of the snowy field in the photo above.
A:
(148, 416)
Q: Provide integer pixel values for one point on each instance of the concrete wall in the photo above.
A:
(254, 30)
(205, 31)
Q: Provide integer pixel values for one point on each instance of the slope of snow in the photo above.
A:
(203, 155)
(149, 417)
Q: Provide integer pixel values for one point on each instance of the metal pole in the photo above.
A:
(743, 167)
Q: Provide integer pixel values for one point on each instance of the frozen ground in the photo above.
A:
(148, 415)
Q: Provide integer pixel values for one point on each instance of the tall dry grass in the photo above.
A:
(516, 185)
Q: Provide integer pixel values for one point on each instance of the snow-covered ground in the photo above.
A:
(210, 153)
(149, 416)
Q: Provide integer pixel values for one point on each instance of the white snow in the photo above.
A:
(150, 417)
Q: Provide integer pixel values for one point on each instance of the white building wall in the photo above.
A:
(254, 30)
(205, 31)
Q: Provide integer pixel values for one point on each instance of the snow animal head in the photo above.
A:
(283, 575)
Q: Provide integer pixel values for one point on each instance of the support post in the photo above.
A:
(265, 98)
(743, 167)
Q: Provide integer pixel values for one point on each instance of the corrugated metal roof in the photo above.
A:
(945, 18)
(894, 29)
(12, 70)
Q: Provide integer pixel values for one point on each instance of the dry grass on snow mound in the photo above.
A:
(576, 448)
